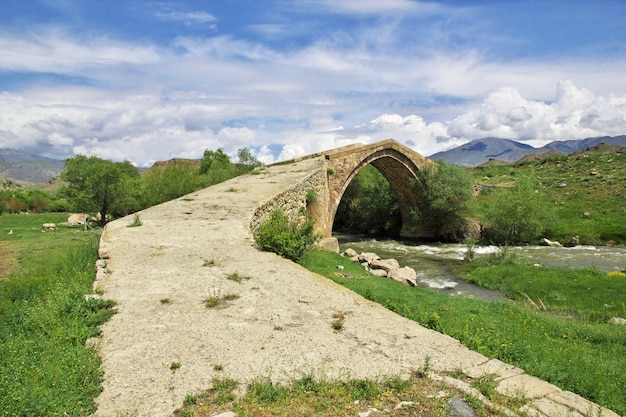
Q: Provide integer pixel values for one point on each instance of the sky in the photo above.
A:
(144, 81)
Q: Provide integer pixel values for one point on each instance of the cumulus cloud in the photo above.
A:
(146, 128)
(411, 129)
(575, 113)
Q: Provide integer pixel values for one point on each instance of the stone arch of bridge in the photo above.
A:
(397, 163)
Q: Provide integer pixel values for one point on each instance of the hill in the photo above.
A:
(479, 151)
(24, 167)
(584, 191)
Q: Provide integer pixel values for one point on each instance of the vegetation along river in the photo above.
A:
(429, 260)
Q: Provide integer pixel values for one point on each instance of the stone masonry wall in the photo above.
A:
(294, 199)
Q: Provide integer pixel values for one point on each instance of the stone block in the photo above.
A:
(525, 386)
(494, 367)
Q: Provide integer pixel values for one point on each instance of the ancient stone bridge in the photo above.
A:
(321, 192)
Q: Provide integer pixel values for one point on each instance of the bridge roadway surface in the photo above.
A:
(279, 327)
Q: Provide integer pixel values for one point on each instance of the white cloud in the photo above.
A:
(411, 130)
(576, 113)
(372, 7)
(52, 51)
(147, 127)
(188, 18)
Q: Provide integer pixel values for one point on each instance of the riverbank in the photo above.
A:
(434, 262)
(552, 319)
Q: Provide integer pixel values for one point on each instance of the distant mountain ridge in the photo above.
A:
(24, 167)
(21, 166)
(479, 151)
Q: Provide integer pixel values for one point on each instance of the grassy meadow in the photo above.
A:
(585, 192)
(45, 368)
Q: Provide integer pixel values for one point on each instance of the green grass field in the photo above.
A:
(586, 192)
(45, 368)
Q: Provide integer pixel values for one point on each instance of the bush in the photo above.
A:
(173, 181)
(291, 239)
(444, 193)
(518, 214)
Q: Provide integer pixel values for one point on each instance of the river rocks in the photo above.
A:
(547, 242)
(406, 275)
(389, 268)
(379, 272)
(575, 241)
(386, 265)
(367, 257)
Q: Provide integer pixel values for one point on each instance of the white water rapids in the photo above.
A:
(428, 260)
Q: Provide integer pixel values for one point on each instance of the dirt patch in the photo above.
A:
(8, 260)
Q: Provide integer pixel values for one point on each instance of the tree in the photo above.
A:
(246, 161)
(173, 181)
(517, 215)
(214, 160)
(444, 195)
(368, 205)
(216, 167)
(97, 185)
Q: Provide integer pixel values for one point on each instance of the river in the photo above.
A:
(428, 260)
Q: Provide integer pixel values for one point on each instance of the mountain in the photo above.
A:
(570, 146)
(479, 151)
(25, 167)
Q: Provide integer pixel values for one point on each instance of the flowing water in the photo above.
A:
(429, 260)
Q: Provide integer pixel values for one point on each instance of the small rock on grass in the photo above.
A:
(456, 407)
(225, 414)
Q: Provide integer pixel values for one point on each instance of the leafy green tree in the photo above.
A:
(96, 185)
(175, 180)
(518, 214)
(131, 195)
(216, 167)
(246, 161)
(369, 206)
(213, 159)
(444, 195)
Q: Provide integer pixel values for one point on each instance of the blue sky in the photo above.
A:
(150, 80)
